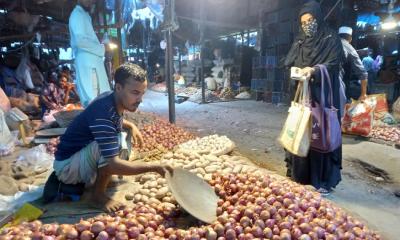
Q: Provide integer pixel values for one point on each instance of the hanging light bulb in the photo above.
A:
(389, 23)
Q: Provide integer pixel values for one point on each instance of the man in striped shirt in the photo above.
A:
(88, 152)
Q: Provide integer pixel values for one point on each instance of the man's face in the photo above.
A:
(131, 94)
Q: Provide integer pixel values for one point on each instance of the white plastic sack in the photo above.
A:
(23, 73)
(11, 203)
(211, 84)
(36, 158)
(396, 109)
(6, 139)
(243, 95)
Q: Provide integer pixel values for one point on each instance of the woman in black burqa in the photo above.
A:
(316, 44)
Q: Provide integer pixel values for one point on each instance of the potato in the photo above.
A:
(138, 197)
(129, 196)
(144, 191)
(162, 192)
(154, 200)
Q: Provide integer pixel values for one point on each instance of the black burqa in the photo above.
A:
(322, 170)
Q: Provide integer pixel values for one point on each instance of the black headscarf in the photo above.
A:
(322, 48)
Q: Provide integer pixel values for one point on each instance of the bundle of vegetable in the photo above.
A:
(251, 207)
(162, 133)
(390, 134)
(213, 144)
(154, 190)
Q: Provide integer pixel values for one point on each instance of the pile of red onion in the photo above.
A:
(390, 134)
(250, 208)
(162, 133)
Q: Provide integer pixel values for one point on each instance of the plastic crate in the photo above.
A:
(277, 97)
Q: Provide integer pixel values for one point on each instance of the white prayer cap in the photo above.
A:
(346, 30)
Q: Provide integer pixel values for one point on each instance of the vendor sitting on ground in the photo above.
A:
(53, 97)
(88, 152)
(68, 87)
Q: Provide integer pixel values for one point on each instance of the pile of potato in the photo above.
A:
(154, 190)
(204, 165)
(213, 144)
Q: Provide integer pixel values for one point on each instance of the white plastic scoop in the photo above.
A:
(193, 194)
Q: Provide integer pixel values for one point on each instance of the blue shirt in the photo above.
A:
(99, 122)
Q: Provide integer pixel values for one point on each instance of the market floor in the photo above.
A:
(255, 126)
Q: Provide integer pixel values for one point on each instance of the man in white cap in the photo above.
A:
(353, 68)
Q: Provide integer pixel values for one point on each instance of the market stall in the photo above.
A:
(253, 202)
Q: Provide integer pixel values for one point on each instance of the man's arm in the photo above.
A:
(364, 84)
(359, 71)
(116, 166)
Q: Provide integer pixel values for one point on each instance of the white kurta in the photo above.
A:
(91, 76)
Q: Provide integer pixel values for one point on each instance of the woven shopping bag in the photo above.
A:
(296, 133)
(326, 130)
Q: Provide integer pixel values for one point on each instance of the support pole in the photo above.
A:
(169, 64)
(202, 80)
(170, 78)
(119, 34)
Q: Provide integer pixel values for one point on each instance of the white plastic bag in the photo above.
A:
(396, 109)
(23, 73)
(36, 158)
(9, 204)
(7, 144)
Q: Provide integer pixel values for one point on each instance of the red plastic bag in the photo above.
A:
(382, 107)
(358, 118)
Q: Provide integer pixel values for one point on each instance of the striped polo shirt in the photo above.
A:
(99, 122)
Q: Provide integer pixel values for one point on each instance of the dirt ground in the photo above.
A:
(370, 171)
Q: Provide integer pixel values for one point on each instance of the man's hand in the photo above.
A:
(363, 97)
(136, 135)
(163, 169)
(308, 72)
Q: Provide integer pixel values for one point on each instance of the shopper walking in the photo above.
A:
(317, 44)
(91, 76)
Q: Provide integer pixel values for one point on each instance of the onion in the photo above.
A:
(82, 226)
(50, 229)
(230, 234)
(219, 229)
(97, 227)
(103, 235)
(111, 228)
(121, 236)
(257, 232)
(86, 235)
(142, 237)
(305, 228)
(267, 232)
(285, 236)
(265, 215)
(305, 237)
(72, 233)
(133, 232)
(245, 221)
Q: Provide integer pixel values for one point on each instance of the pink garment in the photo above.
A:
(5, 104)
